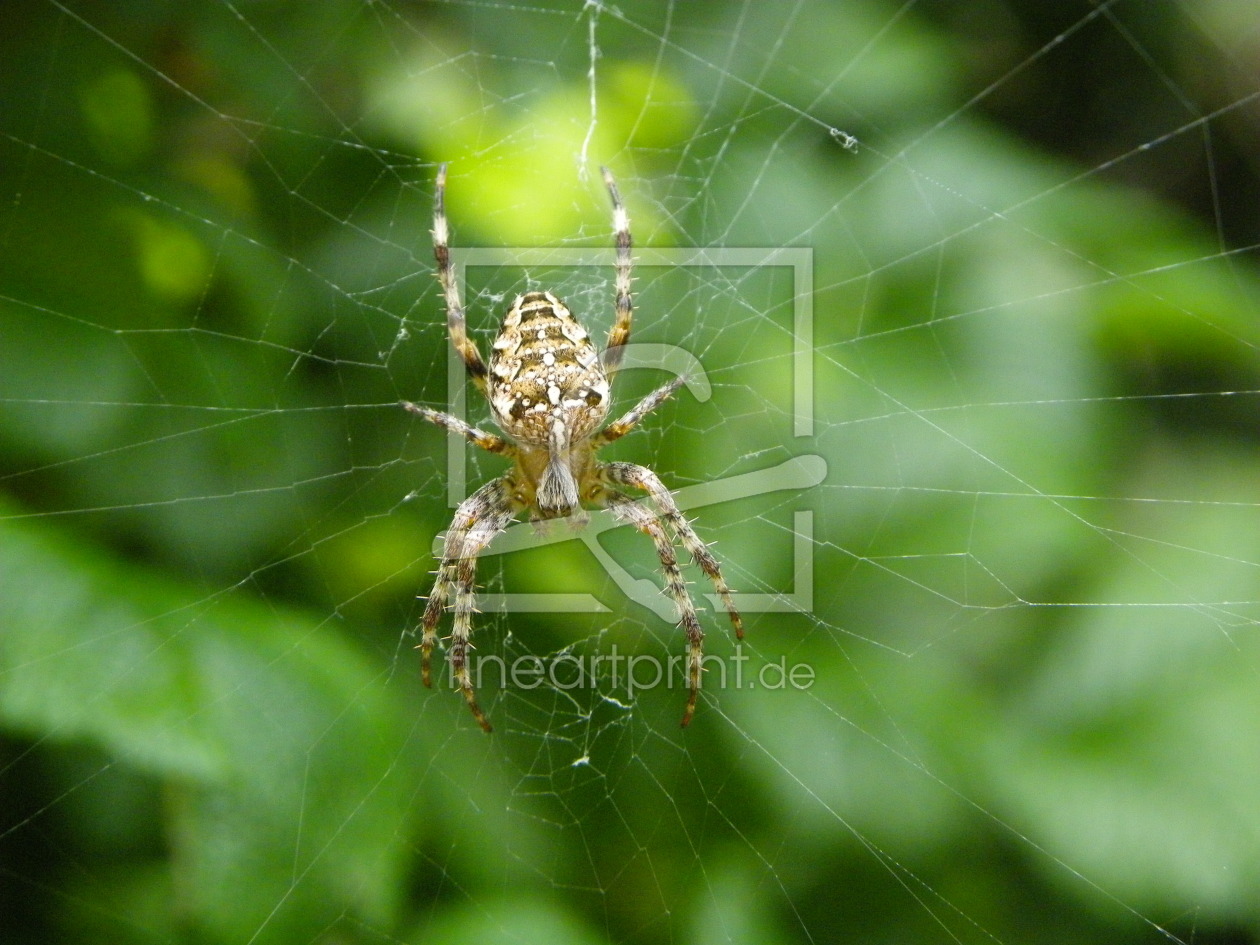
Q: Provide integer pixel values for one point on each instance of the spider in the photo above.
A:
(548, 390)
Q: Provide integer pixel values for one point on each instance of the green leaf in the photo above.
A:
(286, 760)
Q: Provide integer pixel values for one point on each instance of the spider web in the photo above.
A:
(966, 299)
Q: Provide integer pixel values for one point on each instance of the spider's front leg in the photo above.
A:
(612, 477)
(640, 477)
(478, 519)
(626, 509)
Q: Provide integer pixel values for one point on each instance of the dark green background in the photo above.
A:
(1037, 554)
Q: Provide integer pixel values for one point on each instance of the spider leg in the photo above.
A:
(477, 520)
(620, 427)
(466, 347)
(487, 441)
(640, 477)
(620, 334)
(626, 509)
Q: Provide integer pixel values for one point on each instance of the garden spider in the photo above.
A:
(548, 390)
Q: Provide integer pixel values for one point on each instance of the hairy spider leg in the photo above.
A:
(478, 519)
(628, 421)
(619, 336)
(487, 441)
(640, 477)
(455, 324)
(645, 521)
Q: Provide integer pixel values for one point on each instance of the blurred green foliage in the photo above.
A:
(1037, 550)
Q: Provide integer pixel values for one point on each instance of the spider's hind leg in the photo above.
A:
(623, 304)
(455, 323)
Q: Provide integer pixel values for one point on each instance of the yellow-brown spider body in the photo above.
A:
(549, 392)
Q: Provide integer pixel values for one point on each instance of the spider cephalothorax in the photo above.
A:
(549, 391)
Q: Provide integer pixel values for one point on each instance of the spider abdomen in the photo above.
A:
(547, 386)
